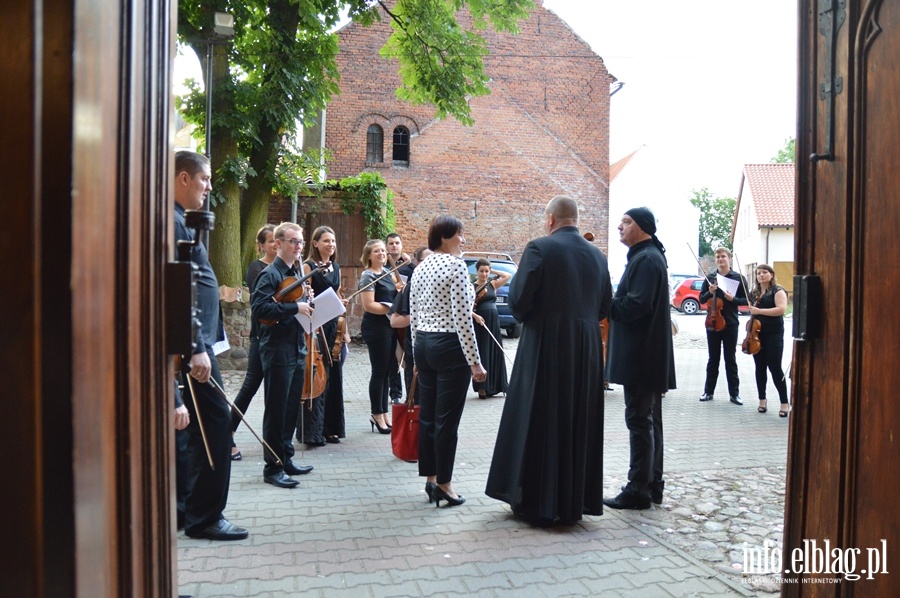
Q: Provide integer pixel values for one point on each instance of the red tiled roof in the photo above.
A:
(772, 187)
(616, 167)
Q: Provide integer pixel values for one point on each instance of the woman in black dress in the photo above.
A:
(376, 329)
(323, 417)
(768, 304)
(253, 379)
(487, 319)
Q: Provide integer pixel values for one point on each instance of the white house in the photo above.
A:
(763, 229)
(643, 178)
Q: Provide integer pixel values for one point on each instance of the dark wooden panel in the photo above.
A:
(875, 420)
(22, 545)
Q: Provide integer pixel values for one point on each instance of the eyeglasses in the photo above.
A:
(293, 241)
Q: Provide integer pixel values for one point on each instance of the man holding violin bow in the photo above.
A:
(282, 350)
(725, 308)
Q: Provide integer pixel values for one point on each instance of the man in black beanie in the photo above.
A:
(641, 357)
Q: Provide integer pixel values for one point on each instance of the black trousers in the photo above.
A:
(283, 387)
(727, 337)
(643, 417)
(207, 488)
(444, 377)
(253, 379)
(379, 338)
(769, 357)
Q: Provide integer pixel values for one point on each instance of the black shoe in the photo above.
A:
(314, 444)
(221, 530)
(236, 456)
(736, 400)
(291, 469)
(333, 440)
(438, 494)
(397, 401)
(280, 479)
(628, 499)
(429, 490)
(374, 424)
(706, 397)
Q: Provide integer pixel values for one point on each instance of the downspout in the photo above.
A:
(768, 232)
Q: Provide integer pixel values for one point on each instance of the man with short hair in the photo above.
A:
(726, 337)
(394, 245)
(207, 488)
(641, 357)
(282, 350)
(548, 458)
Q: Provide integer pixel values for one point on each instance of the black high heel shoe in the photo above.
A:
(374, 424)
(429, 490)
(438, 494)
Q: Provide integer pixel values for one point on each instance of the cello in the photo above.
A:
(315, 376)
(751, 343)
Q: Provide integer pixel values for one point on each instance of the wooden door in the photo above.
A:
(86, 213)
(844, 449)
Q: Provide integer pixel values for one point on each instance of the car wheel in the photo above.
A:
(514, 331)
(690, 307)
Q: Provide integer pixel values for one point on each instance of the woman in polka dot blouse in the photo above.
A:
(446, 353)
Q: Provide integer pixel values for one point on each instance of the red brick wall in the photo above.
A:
(543, 131)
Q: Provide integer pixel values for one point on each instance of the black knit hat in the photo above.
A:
(644, 218)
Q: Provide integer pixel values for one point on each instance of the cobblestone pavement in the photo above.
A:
(360, 524)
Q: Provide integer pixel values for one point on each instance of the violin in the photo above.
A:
(291, 289)
(715, 321)
(481, 292)
(339, 333)
(751, 344)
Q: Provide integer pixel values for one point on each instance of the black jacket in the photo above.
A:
(282, 343)
(640, 331)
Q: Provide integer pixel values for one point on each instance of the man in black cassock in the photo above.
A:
(641, 358)
(548, 459)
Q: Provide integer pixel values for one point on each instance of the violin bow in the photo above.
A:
(697, 259)
(746, 292)
(388, 273)
(488, 330)
(244, 419)
(200, 421)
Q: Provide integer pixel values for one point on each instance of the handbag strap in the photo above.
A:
(411, 399)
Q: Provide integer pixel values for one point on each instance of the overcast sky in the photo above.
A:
(710, 84)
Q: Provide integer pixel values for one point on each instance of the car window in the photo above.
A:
(500, 266)
(697, 285)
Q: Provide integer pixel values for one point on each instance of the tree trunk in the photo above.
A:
(225, 239)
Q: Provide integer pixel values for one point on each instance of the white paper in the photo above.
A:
(327, 307)
(728, 285)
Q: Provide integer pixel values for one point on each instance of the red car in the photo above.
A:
(686, 297)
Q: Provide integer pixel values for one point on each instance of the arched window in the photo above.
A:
(374, 144)
(401, 145)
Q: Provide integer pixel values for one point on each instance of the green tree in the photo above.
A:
(787, 154)
(280, 71)
(716, 217)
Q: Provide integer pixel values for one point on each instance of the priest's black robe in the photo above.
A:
(548, 458)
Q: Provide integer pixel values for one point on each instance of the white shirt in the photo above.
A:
(441, 300)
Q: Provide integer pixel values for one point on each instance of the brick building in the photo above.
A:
(543, 131)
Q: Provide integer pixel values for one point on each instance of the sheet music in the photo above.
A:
(327, 306)
(728, 286)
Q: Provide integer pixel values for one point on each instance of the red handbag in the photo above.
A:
(405, 427)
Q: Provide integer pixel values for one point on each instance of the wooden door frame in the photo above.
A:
(87, 218)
